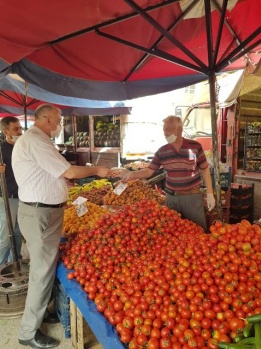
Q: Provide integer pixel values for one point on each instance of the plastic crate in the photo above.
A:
(85, 180)
(239, 213)
(225, 178)
(62, 307)
(244, 201)
(242, 195)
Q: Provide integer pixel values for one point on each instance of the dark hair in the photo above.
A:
(5, 122)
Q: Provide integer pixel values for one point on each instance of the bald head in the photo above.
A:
(45, 110)
(47, 118)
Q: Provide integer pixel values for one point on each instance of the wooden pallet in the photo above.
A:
(81, 334)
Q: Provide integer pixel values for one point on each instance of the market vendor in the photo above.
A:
(183, 160)
(41, 172)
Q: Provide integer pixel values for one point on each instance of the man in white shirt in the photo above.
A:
(40, 172)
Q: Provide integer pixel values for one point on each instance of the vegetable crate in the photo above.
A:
(62, 307)
(225, 178)
(242, 203)
(81, 333)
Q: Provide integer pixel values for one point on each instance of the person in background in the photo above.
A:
(12, 130)
(41, 173)
(183, 160)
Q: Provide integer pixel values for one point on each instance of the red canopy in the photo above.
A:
(123, 49)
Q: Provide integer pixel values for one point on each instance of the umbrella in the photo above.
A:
(123, 49)
(19, 97)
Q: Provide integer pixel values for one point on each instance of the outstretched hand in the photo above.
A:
(126, 175)
(102, 171)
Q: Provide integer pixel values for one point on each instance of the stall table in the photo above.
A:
(105, 333)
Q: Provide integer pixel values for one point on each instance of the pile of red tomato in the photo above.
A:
(163, 282)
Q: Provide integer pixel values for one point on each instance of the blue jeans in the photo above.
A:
(6, 254)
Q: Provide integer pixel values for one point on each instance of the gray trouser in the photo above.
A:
(5, 242)
(41, 228)
(190, 206)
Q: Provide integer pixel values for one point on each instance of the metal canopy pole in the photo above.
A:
(17, 267)
(212, 95)
(25, 104)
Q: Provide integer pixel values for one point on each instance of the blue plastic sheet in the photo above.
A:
(105, 333)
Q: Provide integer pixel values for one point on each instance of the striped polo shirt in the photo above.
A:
(183, 167)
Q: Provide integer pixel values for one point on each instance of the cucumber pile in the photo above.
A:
(249, 338)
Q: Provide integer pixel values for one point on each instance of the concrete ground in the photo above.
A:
(9, 329)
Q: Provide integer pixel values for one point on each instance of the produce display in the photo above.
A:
(82, 140)
(163, 283)
(239, 185)
(95, 195)
(78, 190)
(136, 165)
(74, 224)
(254, 127)
(115, 173)
(107, 134)
(136, 191)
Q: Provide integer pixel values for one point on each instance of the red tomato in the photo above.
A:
(126, 335)
(142, 339)
(165, 343)
(153, 343)
(128, 322)
(236, 325)
(206, 323)
(212, 343)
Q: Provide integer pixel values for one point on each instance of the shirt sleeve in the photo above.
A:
(49, 159)
(155, 162)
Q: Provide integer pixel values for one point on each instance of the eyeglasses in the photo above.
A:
(57, 122)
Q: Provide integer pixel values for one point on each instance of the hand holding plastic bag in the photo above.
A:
(211, 202)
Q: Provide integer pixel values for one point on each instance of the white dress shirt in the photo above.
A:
(38, 167)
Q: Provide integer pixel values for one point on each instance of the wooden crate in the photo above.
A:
(81, 334)
(105, 159)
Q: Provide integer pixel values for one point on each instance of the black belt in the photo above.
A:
(39, 204)
(182, 192)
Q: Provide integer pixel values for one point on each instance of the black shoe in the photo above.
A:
(51, 318)
(40, 341)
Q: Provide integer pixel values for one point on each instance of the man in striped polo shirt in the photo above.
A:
(183, 160)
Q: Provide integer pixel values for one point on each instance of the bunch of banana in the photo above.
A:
(76, 190)
(97, 183)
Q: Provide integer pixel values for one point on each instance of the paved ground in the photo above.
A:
(9, 329)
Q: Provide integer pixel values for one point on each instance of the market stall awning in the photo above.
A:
(123, 49)
(16, 95)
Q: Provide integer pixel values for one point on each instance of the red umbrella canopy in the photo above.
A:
(123, 49)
